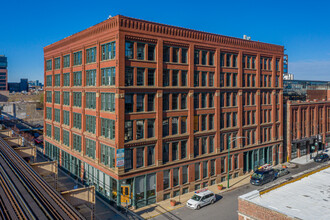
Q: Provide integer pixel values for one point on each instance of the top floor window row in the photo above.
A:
(277, 64)
(228, 60)
(57, 63)
(66, 61)
(77, 59)
(140, 51)
(108, 51)
(91, 55)
(203, 57)
(265, 63)
(49, 64)
(175, 54)
(249, 62)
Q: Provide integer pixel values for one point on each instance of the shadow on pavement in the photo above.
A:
(161, 210)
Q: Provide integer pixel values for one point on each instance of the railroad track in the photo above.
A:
(24, 194)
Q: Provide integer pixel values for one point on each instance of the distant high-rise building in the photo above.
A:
(24, 85)
(3, 73)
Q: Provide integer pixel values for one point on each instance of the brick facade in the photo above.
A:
(305, 122)
(191, 94)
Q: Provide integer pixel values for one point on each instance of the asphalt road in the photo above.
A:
(226, 205)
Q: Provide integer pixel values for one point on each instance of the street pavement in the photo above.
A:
(227, 203)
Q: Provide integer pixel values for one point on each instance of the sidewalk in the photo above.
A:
(162, 207)
(306, 158)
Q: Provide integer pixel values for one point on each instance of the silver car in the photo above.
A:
(281, 172)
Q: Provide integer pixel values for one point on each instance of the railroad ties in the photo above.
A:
(24, 194)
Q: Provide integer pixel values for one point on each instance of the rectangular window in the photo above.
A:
(139, 157)
(57, 63)
(128, 130)
(183, 149)
(175, 77)
(129, 50)
(66, 79)
(57, 114)
(90, 100)
(108, 51)
(196, 78)
(128, 159)
(91, 55)
(183, 125)
(183, 78)
(77, 58)
(90, 77)
(66, 137)
(166, 54)
(165, 127)
(77, 120)
(57, 80)
(175, 55)
(166, 101)
(196, 56)
(108, 76)
(151, 52)
(90, 148)
(90, 124)
(184, 55)
(197, 171)
(76, 142)
(139, 129)
(166, 77)
(66, 61)
(175, 101)
(151, 102)
(77, 99)
(166, 179)
(140, 51)
(175, 125)
(211, 144)
(128, 103)
(151, 155)
(66, 118)
(140, 103)
(66, 98)
(49, 65)
(183, 101)
(184, 174)
(108, 128)
(108, 102)
(57, 97)
(49, 81)
(212, 167)
(108, 156)
(151, 128)
(205, 164)
(140, 77)
(175, 151)
(196, 100)
(211, 58)
(129, 76)
(175, 177)
(151, 77)
(77, 80)
(49, 130)
(49, 113)
(165, 153)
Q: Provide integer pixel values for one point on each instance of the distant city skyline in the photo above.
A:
(305, 38)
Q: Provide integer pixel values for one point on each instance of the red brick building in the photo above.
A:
(149, 110)
(307, 123)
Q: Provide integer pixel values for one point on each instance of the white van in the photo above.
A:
(201, 198)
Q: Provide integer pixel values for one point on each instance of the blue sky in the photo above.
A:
(302, 27)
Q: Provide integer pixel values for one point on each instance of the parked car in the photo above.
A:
(260, 177)
(281, 172)
(321, 158)
(200, 199)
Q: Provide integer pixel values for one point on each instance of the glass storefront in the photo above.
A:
(255, 158)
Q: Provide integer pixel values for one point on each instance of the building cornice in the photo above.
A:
(126, 23)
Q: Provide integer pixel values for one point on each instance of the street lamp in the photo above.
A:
(234, 139)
